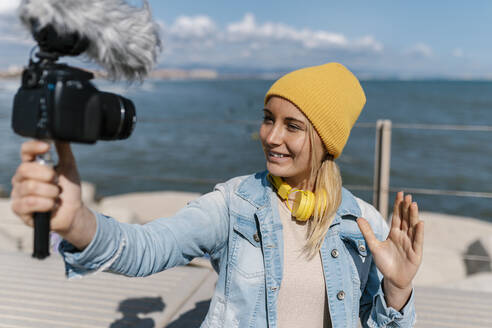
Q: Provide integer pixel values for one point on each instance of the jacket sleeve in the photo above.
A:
(140, 250)
(373, 311)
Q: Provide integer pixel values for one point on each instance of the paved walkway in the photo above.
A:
(451, 308)
(35, 293)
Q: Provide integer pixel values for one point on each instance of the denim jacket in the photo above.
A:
(238, 226)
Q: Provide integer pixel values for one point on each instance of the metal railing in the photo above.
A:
(382, 157)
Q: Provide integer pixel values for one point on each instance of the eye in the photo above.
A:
(293, 127)
(267, 119)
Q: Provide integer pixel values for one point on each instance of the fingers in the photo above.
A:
(404, 212)
(32, 148)
(368, 234)
(36, 188)
(33, 185)
(35, 171)
(414, 214)
(26, 206)
(395, 220)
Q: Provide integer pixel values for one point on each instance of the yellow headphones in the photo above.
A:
(304, 202)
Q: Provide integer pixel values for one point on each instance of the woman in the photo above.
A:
(285, 257)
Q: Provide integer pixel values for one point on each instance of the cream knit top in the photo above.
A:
(302, 298)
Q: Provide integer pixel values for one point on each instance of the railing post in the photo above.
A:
(382, 167)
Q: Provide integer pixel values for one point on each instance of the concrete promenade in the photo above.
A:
(453, 287)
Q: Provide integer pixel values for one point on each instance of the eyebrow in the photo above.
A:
(287, 118)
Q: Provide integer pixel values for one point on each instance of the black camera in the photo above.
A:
(57, 101)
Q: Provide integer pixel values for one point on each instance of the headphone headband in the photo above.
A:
(283, 188)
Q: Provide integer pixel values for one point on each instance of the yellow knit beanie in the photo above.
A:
(329, 95)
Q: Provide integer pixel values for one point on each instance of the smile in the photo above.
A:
(277, 155)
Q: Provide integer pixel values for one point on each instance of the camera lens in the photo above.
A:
(128, 118)
(118, 116)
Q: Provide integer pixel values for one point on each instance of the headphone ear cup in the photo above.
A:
(303, 206)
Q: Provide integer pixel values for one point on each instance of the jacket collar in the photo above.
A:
(256, 189)
(349, 205)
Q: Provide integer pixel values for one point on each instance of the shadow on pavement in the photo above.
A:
(131, 307)
(192, 318)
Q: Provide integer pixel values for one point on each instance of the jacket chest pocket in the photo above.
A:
(247, 256)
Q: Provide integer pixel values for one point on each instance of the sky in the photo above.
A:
(375, 39)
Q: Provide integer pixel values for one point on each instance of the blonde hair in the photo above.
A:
(326, 179)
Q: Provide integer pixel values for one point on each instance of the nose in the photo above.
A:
(274, 136)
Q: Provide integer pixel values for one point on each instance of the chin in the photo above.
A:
(288, 173)
(278, 170)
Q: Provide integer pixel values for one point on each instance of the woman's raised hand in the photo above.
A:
(39, 188)
(400, 255)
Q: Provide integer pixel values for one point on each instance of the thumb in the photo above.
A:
(65, 155)
(66, 167)
(368, 234)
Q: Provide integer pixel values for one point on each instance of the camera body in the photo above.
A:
(57, 101)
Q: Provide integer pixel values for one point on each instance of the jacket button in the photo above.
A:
(256, 237)
(341, 295)
(335, 253)
(362, 248)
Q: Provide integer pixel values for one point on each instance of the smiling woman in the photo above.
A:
(285, 139)
(289, 244)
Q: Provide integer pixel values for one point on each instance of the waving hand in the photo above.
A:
(400, 255)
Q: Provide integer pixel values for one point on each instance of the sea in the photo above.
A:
(191, 135)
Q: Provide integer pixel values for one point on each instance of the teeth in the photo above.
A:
(277, 155)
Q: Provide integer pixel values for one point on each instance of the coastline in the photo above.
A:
(15, 73)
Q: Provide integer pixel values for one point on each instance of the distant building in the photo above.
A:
(12, 72)
(161, 74)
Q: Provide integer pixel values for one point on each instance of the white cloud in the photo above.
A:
(244, 28)
(321, 39)
(11, 30)
(196, 27)
(368, 42)
(248, 30)
(199, 39)
(420, 50)
(8, 6)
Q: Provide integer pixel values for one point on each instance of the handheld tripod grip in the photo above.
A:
(41, 235)
(42, 221)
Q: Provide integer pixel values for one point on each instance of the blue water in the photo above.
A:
(191, 134)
